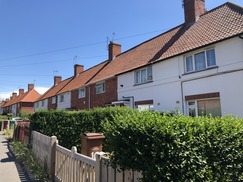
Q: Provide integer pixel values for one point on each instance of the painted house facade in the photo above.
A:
(197, 67)
(49, 100)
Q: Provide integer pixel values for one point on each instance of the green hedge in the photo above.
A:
(68, 125)
(177, 148)
(163, 147)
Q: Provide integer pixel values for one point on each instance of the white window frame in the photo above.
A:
(100, 87)
(192, 56)
(139, 78)
(195, 105)
(82, 92)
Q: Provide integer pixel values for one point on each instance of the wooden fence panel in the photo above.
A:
(73, 167)
(44, 148)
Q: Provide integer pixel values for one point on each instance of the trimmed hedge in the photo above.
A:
(68, 125)
(163, 147)
(177, 148)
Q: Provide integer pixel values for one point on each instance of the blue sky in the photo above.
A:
(43, 38)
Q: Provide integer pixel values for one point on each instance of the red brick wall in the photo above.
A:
(102, 99)
(80, 103)
(50, 105)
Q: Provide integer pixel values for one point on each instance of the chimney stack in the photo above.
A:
(78, 69)
(114, 50)
(193, 9)
(57, 79)
(30, 86)
(14, 95)
(21, 91)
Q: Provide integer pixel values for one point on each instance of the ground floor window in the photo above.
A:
(144, 105)
(204, 107)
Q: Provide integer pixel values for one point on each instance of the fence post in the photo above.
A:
(52, 157)
(71, 164)
(98, 166)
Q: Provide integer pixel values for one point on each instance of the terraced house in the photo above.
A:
(196, 68)
(22, 102)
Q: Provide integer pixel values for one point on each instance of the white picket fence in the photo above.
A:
(69, 166)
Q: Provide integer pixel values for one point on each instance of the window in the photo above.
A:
(144, 75)
(204, 107)
(81, 93)
(53, 100)
(61, 98)
(100, 87)
(42, 103)
(200, 61)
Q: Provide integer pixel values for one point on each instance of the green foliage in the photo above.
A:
(3, 117)
(67, 126)
(177, 148)
(25, 115)
(26, 156)
(168, 147)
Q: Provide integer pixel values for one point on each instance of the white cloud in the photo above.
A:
(41, 90)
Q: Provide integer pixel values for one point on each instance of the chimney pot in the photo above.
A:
(114, 50)
(193, 9)
(78, 69)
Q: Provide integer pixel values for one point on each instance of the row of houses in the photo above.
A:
(195, 68)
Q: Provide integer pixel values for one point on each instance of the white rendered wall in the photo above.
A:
(40, 106)
(170, 84)
(67, 101)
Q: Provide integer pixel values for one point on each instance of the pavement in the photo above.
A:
(10, 169)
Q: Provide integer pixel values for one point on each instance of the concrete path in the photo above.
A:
(10, 170)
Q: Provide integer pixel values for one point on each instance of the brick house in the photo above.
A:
(24, 102)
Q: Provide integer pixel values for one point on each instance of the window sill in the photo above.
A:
(138, 84)
(210, 68)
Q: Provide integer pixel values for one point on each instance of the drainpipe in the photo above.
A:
(89, 98)
(130, 98)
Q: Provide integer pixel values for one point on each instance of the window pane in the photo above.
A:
(137, 77)
(189, 64)
(143, 76)
(192, 112)
(209, 107)
(200, 63)
(149, 73)
(211, 57)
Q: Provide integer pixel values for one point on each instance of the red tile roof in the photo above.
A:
(223, 22)
(29, 96)
(55, 89)
(83, 78)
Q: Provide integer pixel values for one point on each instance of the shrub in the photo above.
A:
(177, 148)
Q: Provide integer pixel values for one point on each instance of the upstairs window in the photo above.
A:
(53, 100)
(62, 98)
(81, 93)
(143, 75)
(200, 61)
(100, 87)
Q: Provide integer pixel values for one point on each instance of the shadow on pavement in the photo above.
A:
(24, 175)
